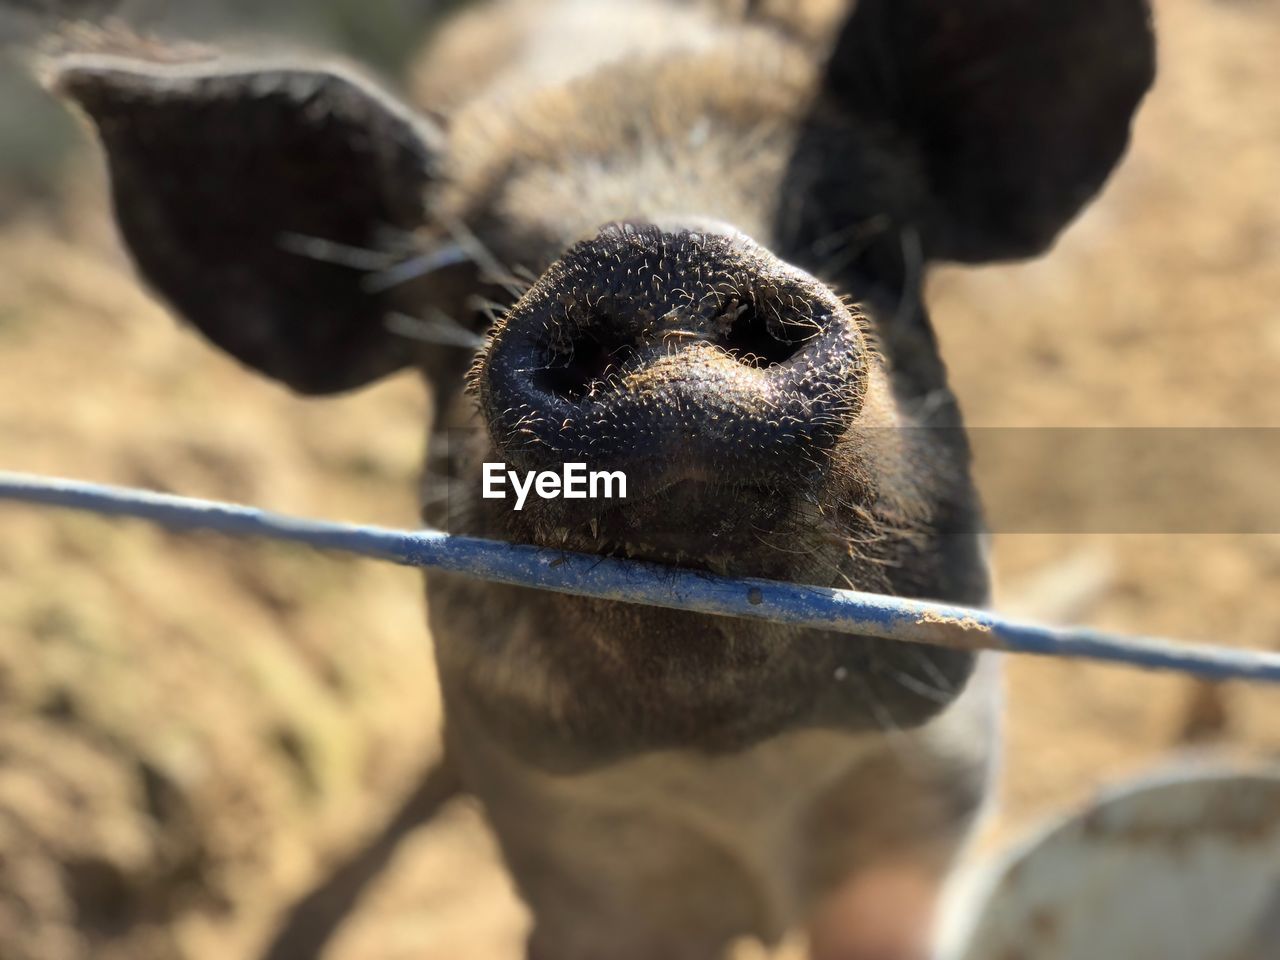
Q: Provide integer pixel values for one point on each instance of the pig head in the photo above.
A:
(698, 260)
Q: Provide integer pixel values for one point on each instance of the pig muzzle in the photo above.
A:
(674, 356)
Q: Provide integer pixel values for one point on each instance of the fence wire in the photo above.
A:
(632, 581)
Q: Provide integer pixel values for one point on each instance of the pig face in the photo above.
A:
(706, 265)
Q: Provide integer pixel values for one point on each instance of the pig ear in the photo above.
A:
(1013, 112)
(230, 187)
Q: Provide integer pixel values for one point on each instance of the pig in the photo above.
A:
(683, 241)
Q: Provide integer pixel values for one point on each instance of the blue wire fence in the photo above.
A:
(843, 611)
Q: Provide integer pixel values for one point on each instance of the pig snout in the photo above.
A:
(688, 355)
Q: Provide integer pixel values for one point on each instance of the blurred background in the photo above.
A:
(192, 730)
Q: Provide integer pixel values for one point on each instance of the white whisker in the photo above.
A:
(415, 267)
(436, 327)
(331, 251)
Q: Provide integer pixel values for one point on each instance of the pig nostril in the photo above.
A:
(758, 340)
(573, 370)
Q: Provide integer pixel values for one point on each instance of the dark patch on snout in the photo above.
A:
(673, 356)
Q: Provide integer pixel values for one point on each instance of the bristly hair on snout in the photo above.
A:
(600, 354)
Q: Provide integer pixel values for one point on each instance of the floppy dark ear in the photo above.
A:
(1014, 112)
(227, 181)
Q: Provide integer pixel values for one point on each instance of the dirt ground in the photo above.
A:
(192, 729)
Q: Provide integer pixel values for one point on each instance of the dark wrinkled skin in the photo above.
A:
(705, 234)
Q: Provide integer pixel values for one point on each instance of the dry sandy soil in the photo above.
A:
(192, 729)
